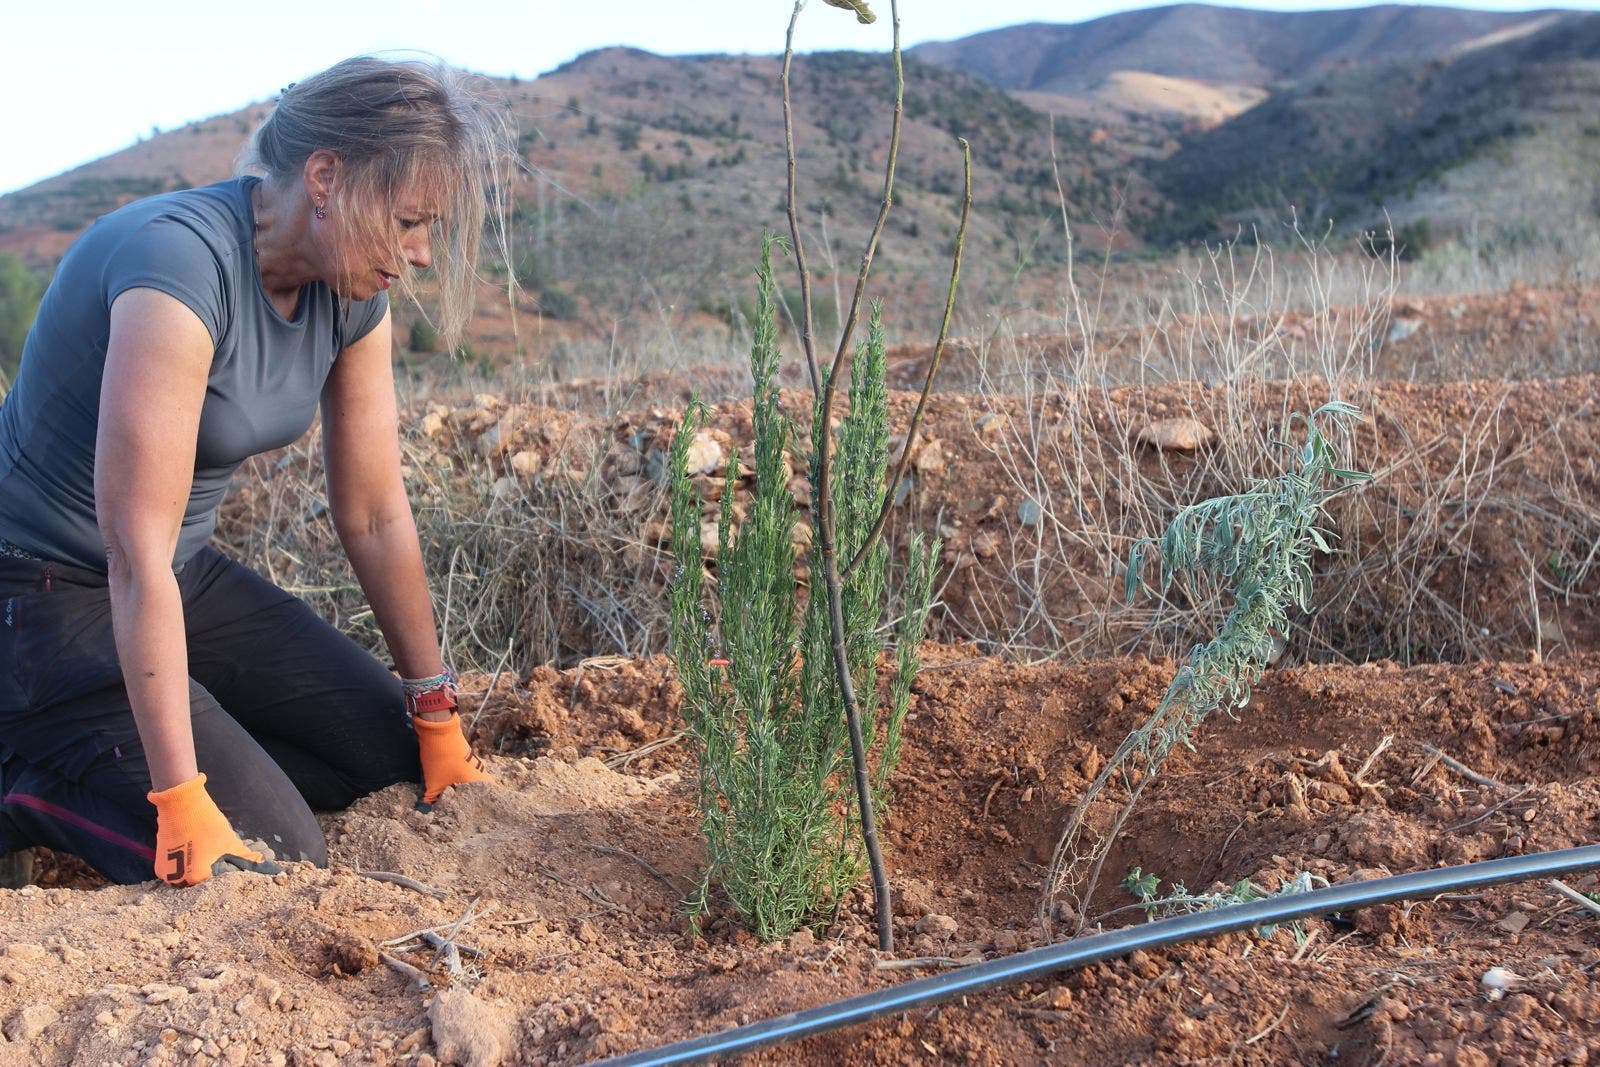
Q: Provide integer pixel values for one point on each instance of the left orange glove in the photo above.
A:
(447, 759)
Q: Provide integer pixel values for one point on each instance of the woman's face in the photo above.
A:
(366, 260)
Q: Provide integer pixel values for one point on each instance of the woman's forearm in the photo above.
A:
(147, 618)
(387, 558)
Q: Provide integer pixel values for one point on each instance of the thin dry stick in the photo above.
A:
(612, 850)
(449, 939)
(488, 694)
(404, 968)
(1465, 771)
(1378, 750)
(807, 335)
(402, 880)
(827, 540)
(1524, 791)
(933, 367)
(1573, 895)
(1284, 1014)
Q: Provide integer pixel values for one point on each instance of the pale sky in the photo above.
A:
(83, 78)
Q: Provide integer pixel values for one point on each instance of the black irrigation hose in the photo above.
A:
(1098, 947)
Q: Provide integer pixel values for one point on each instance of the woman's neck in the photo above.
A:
(284, 250)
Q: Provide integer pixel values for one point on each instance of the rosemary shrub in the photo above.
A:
(753, 652)
(1259, 544)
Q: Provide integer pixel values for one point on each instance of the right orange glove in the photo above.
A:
(447, 758)
(194, 839)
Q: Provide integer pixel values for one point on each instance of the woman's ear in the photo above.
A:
(321, 172)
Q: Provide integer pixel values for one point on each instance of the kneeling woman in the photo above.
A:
(159, 702)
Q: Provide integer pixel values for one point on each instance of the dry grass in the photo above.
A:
(550, 568)
(1499, 487)
(1480, 536)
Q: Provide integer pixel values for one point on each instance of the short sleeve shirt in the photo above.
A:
(267, 372)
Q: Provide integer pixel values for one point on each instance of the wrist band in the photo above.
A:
(434, 693)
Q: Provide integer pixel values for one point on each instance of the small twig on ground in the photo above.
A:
(1282, 1015)
(588, 894)
(1223, 851)
(1465, 771)
(620, 761)
(925, 961)
(1518, 795)
(612, 850)
(993, 789)
(1366, 765)
(1427, 765)
(448, 941)
(436, 941)
(1520, 723)
(1573, 895)
(405, 969)
(1305, 946)
(402, 880)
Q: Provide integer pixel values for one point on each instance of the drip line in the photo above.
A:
(1095, 948)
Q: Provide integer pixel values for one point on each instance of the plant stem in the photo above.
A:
(933, 368)
(807, 335)
(827, 543)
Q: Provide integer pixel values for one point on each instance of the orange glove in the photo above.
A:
(193, 837)
(447, 759)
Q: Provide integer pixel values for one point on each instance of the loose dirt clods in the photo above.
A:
(568, 872)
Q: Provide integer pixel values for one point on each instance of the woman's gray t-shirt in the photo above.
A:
(266, 375)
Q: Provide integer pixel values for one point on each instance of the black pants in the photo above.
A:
(288, 714)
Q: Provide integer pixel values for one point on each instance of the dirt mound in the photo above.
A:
(566, 875)
(1474, 541)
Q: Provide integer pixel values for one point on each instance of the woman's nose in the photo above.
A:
(419, 249)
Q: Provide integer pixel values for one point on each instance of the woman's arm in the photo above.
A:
(157, 361)
(372, 515)
(367, 499)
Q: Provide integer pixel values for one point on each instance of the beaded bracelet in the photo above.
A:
(435, 693)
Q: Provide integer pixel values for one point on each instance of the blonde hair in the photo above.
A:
(444, 132)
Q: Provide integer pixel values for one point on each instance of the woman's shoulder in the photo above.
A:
(218, 214)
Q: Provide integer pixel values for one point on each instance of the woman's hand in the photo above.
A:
(447, 758)
(194, 839)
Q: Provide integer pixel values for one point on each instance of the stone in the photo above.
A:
(1175, 435)
(467, 1031)
(937, 925)
(31, 1021)
(705, 455)
(23, 951)
(526, 464)
(929, 459)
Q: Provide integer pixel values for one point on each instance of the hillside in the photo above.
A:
(648, 180)
(1511, 117)
(1226, 49)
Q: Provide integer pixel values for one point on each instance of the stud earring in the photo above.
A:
(319, 211)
